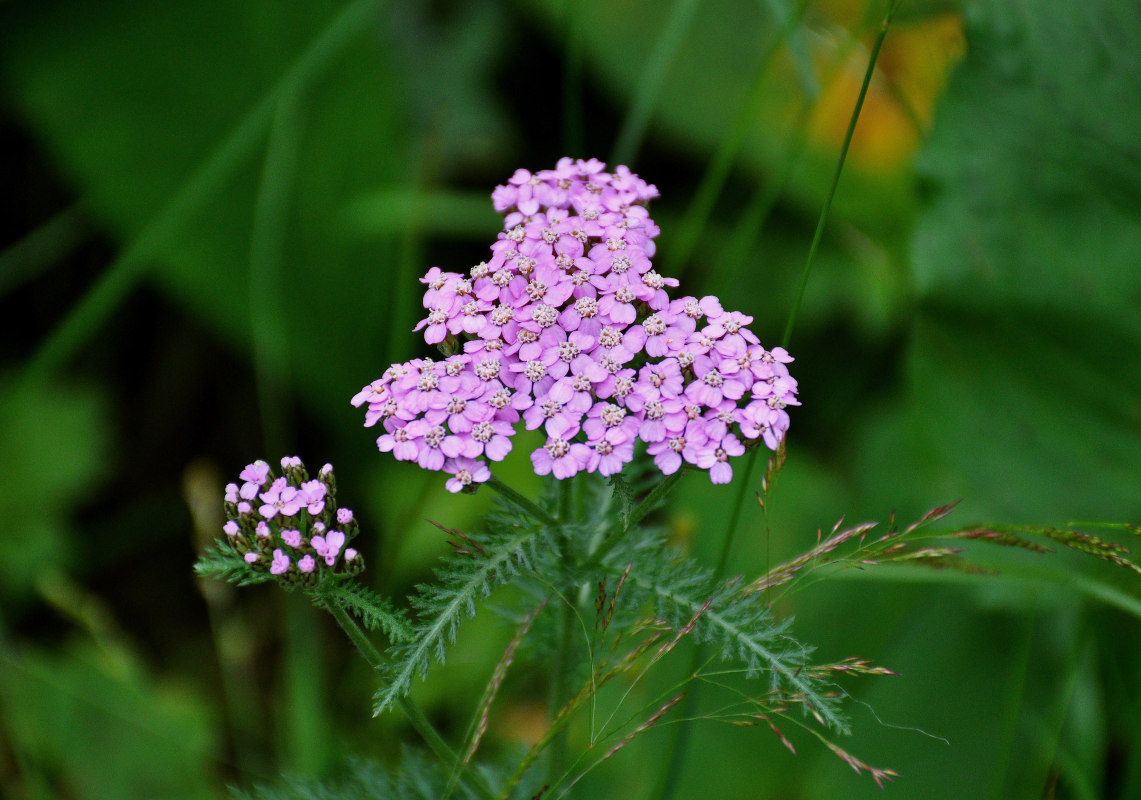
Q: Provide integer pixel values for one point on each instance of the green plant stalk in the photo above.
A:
(35, 253)
(562, 670)
(302, 713)
(679, 736)
(269, 332)
(420, 723)
(747, 231)
(719, 167)
(676, 752)
(818, 235)
(561, 682)
(409, 257)
(554, 729)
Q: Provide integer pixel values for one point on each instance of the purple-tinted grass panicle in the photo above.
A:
(568, 327)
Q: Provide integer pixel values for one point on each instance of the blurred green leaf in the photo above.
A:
(1034, 170)
(1024, 391)
(53, 451)
(87, 722)
(134, 125)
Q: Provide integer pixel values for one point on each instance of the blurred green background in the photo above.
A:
(214, 215)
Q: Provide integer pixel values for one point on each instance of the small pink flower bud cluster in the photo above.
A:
(568, 327)
(289, 525)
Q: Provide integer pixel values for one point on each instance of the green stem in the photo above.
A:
(656, 496)
(521, 502)
(566, 504)
(676, 751)
(420, 723)
(270, 333)
(30, 257)
(720, 166)
(799, 298)
(572, 83)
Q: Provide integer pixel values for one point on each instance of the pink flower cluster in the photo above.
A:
(289, 525)
(568, 327)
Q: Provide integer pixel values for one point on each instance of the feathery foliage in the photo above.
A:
(737, 627)
(417, 779)
(512, 543)
(223, 561)
(376, 612)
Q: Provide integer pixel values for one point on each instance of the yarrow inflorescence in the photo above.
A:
(289, 525)
(568, 327)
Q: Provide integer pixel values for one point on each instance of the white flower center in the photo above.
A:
(612, 415)
(558, 448)
(488, 369)
(586, 307)
(568, 351)
(545, 316)
(536, 290)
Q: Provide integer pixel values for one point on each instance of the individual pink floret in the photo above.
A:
(280, 562)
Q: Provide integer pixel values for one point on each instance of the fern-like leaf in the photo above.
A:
(742, 629)
(738, 626)
(376, 612)
(513, 545)
(223, 561)
(417, 779)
